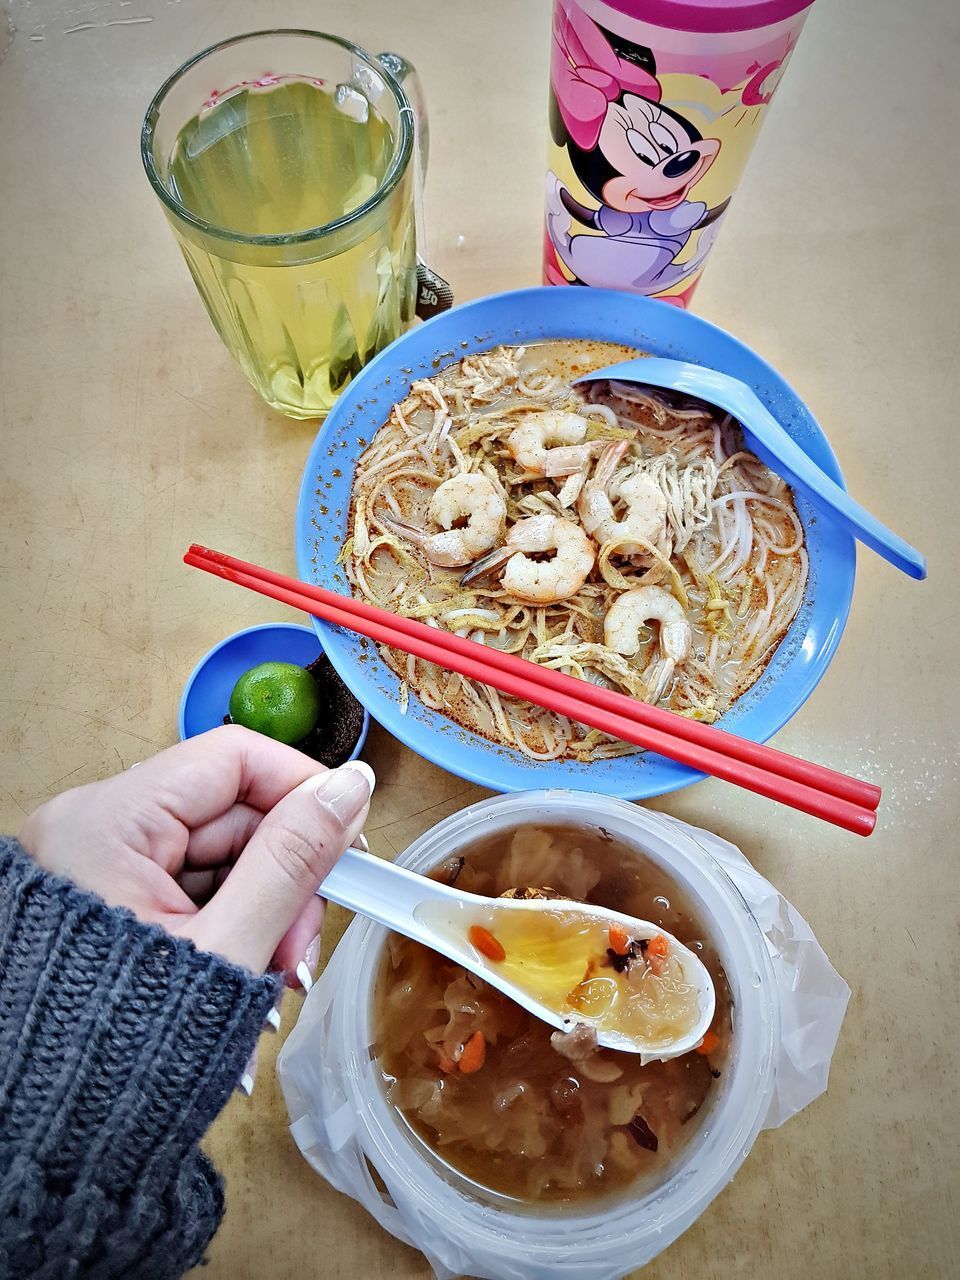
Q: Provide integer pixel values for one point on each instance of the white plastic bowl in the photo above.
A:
(341, 1116)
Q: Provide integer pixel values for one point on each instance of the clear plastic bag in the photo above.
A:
(813, 996)
(790, 1005)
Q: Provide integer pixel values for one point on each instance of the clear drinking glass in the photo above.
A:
(287, 165)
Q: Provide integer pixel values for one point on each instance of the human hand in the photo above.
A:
(222, 839)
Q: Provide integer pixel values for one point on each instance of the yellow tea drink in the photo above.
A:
(291, 196)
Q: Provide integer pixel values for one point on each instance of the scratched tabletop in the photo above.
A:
(127, 433)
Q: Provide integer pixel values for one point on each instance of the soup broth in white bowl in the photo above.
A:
(486, 1216)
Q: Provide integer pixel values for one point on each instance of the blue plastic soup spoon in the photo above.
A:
(772, 445)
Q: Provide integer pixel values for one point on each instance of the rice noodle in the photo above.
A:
(731, 546)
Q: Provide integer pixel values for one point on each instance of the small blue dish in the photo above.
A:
(536, 315)
(206, 695)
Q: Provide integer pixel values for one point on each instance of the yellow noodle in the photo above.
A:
(730, 550)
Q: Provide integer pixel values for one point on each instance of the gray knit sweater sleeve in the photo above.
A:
(119, 1044)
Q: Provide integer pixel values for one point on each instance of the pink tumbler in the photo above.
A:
(654, 107)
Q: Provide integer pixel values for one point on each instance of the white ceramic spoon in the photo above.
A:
(772, 445)
(440, 917)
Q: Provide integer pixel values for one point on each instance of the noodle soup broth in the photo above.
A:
(672, 564)
(541, 1119)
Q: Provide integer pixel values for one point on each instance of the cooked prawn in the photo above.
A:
(632, 610)
(533, 439)
(644, 500)
(540, 581)
(473, 498)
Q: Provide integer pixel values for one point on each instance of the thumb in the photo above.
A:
(287, 857)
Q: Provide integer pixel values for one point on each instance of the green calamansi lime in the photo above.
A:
(278, 699)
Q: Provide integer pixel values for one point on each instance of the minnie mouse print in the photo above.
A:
(637, 219)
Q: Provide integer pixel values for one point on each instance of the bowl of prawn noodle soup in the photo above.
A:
(618, 1222)
(529, 317)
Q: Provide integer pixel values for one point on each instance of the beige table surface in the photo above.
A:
(127, 432)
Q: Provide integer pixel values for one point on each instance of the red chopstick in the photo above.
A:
(769, 758)
(754, 767)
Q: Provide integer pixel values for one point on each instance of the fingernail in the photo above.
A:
(361, 766)
(308, 965)
(272, 1020)
(346, 790)
(362, 843)
(249, 1075)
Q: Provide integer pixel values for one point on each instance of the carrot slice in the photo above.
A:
(708, 1043)
(619, 939)
(656, 954)
(473, 1054)
(486, 943)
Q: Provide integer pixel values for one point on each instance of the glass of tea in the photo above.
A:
(287, 165)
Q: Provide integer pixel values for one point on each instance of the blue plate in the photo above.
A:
(206, 695)
(535, 315)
